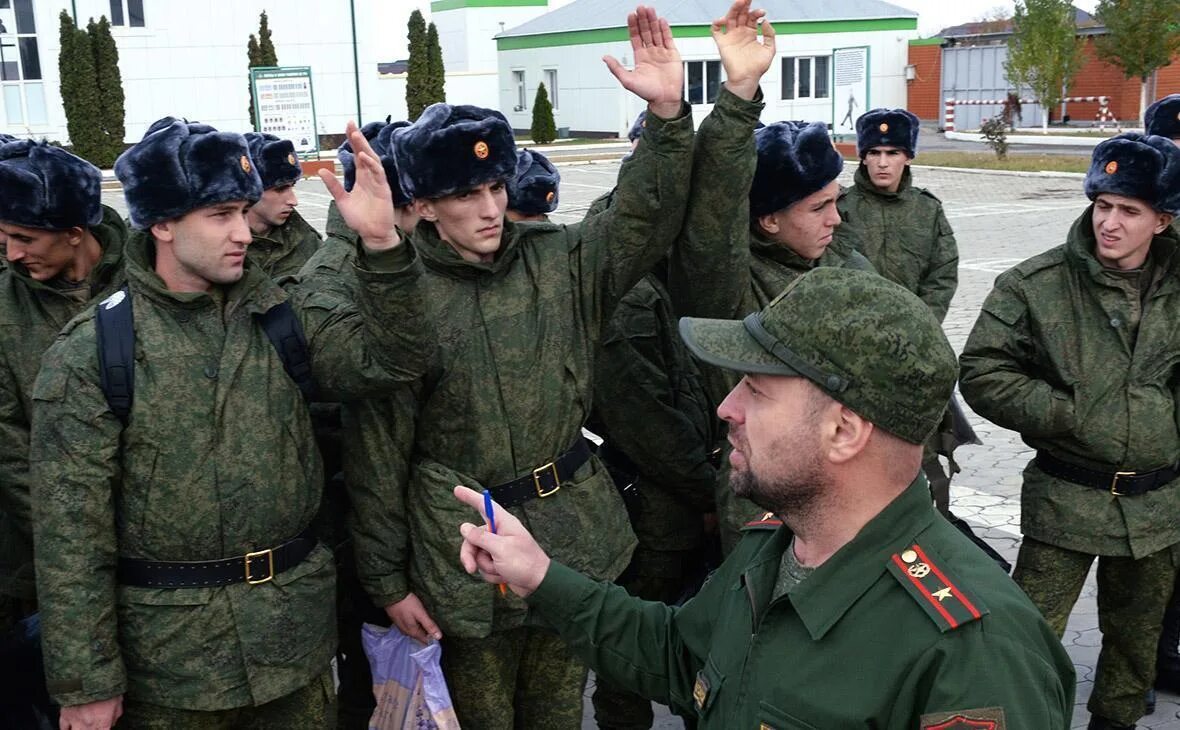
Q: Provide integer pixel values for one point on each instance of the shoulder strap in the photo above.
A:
(947, 602)
(114, 324)
(285, 332)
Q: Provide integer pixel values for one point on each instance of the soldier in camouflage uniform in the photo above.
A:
(283, 241)
(851, 603)
(1077, 349)
(66, 252)
(778, 201)
(520, 309)
(533, 191)
(179, 585)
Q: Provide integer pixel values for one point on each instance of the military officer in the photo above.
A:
(662, 438)
(1077, 349)
(850, 602)
(519, 310)
(65, 251)
(533, 191)
(283, 241)
(179, 584)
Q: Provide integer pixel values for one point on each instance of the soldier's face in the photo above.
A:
(807, 226)
(470, 221)
(1123, 230)
(45, 254)
(774, 428)
(885, 166)
(273, 208)
(204, 247)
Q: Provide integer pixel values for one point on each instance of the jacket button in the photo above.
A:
(211, 372)
(1116, 322)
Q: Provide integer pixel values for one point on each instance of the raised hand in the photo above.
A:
(658, 76)
(744, 58)
(368, 209)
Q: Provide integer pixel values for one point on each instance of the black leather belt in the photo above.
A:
(544, 481)
(257, 567)
(1118, 483)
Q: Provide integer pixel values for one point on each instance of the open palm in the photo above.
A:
(736, 35)
(658, 76)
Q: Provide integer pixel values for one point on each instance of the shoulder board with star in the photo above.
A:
(766, 522)
(931, 585)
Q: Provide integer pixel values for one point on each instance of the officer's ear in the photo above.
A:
(424, 207)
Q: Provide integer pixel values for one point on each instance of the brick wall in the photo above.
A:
(924, 93)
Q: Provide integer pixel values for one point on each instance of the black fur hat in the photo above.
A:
(180, 166)
(794, 161)
(347, 157)
(42, 186)
(534, 189)
(637, 126)
(1163, 117)
(453, 148)
(275, 159)
(1138, 166)
(887, 128)
(384, 148)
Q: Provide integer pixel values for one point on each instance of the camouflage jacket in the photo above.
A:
(286, 249)
(509, 390)
(1076, 360)
(652, 406)
(31, 315)
(906, 236)
(216, 460)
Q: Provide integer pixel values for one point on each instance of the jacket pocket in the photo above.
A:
(293, 615)
(772, 718)
(174, 633)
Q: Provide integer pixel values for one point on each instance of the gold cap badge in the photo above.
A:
(1112, 167)
(245, 163)
(291, 158)
(884, 127)
(481, 150)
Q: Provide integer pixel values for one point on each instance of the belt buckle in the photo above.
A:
(1114, 483)
(539, 472)
(270, 559)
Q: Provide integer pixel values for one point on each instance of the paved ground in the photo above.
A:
(999, 220)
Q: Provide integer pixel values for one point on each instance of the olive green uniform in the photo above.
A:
(216, 460)
(509, 390)
(906, 626)
(285, 249)
(1081, 361)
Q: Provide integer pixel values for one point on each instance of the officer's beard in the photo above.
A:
(795, 490)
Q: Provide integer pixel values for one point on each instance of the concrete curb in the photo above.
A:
(1009, 173)
(1048, 140)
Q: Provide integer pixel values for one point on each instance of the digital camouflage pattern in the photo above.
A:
(31, 315)
(906, 235)
(217, 459)
(285, 250)
(720, 657)
(509, 389)
(1131, 598)
(1082, 362)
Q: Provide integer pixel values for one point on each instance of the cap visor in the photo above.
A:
(726, 344)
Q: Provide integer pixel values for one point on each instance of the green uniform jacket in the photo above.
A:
(217, 459)
(510, 389)
(906, 236)
(286, 249)
(1055, 356)
(31, 315)
(652, 406)
(859, 643)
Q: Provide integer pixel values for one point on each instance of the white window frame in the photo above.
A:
(126, 23)
(520, 81)
(20, 83)
(811, 77)
(704, 63)
(550, 75)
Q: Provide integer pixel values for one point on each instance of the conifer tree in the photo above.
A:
(544, 129)
(418, 73)
(109, 83)
(436, 90)
(79, 91)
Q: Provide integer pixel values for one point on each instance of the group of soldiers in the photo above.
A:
(229, 442)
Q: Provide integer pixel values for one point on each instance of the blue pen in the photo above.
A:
(487, 508)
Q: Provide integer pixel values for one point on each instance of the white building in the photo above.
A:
(564, 49)
(188, 59)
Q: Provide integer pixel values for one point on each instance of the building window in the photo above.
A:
(521, 90)
(551, 86)
(806, 77)
(127, 12)
(20, 67)
(702, 81)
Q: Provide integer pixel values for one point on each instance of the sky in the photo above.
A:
(933, 15)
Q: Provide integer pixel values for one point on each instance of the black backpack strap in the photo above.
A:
(285, 332)
(114, 324)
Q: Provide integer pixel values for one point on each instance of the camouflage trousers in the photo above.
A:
(653, 575)
(1132, 596)
(310, 708)
(523, 679)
